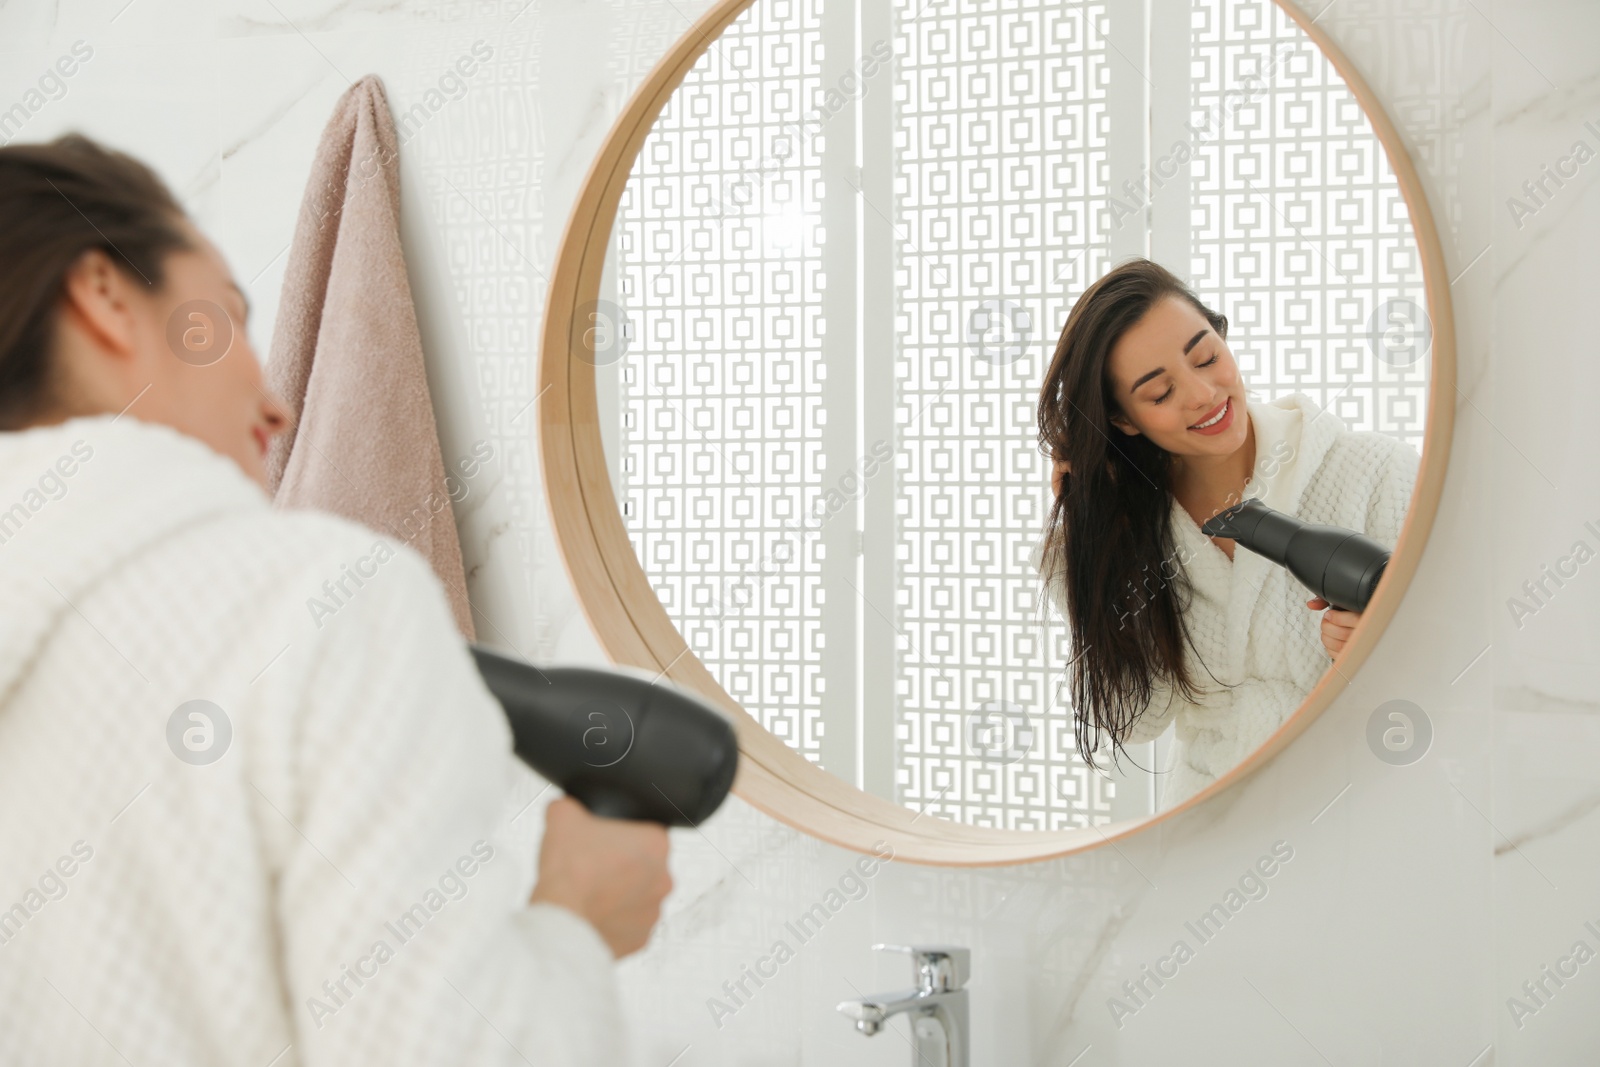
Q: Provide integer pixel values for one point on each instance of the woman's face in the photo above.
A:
(179, 355)
(1170, 374)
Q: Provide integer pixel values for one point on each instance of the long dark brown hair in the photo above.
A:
(1110, 530)
(58, 200)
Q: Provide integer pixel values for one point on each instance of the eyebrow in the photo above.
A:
(1162, 370)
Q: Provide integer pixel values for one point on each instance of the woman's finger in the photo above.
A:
(1333, 637)
(1059, 468)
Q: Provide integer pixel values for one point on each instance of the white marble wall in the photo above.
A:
(1418, 899)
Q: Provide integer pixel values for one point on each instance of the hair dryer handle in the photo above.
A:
(607, 803)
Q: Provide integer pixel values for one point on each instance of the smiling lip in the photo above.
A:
(1227, 420)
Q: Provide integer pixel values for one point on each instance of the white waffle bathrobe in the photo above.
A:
(1248, 618)
(162, 910)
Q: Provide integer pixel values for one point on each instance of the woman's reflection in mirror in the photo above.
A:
(1145, 398)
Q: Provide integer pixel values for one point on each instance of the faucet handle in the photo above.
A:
(938, 968)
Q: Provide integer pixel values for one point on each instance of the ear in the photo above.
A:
(1121, 422)
(97, 298)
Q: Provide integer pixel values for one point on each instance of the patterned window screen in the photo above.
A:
(719, 274)
(1300, 232)
(1002, 166)
(1005, 170)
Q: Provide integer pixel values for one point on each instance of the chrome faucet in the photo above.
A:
(937, 1007)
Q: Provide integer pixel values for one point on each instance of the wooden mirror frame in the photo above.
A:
(634, 628)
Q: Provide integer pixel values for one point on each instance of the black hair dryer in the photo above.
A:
(626, 746)
(1339, 565)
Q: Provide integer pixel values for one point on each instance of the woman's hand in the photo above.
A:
(1336, 624)
(1061, 467)
(612, 872)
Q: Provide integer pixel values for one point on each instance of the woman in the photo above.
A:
(230, 834)
(1152, 433)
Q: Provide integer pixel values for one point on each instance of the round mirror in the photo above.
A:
(834, 264)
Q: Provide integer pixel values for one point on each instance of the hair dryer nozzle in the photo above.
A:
(1237, 522)
(626, 745)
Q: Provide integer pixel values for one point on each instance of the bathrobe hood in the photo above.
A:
(79, 499)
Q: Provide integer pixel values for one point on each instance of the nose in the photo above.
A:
(1205, 403)
(273, 414)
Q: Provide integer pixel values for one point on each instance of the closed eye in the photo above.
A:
(1168, 393)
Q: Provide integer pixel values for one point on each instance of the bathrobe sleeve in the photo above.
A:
(407, 938)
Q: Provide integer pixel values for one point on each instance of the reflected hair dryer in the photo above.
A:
(1339, 565)
(626, 746)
